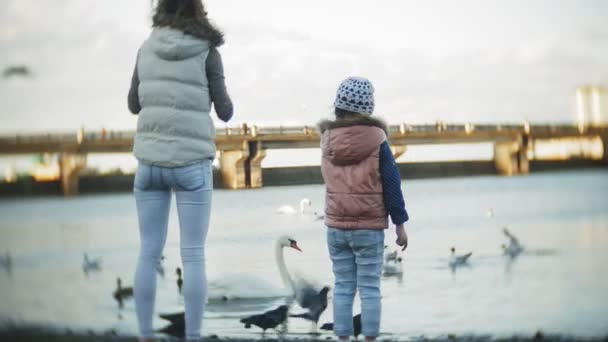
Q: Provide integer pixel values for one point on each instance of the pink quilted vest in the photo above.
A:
(351, 170)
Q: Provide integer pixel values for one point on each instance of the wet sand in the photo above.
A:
(21, 334)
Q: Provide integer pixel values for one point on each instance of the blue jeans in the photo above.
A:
(357, 257)
(152, 186)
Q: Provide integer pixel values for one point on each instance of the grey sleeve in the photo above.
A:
(217, 87)
(133, 98)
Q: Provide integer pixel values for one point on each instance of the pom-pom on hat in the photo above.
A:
(356, 94)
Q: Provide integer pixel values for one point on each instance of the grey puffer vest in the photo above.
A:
(174, 127)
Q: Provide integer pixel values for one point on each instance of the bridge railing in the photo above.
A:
(253, 131)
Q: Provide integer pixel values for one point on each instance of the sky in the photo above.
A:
(464, 61)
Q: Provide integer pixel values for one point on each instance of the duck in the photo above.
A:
(122, 293)
(160, 268)
(389, 256)
(90, 265)
(393, 268)
(458, 260)
(318, 216)
(180, 281)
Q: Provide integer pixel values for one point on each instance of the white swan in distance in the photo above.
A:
(305, 205)
(458, 260)
(90, 265)
(490, 213)
(248, 286)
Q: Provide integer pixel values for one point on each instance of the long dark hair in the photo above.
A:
(188, 16)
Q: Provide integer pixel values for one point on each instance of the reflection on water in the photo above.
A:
(558, 284)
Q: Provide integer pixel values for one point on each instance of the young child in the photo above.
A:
(363, 187)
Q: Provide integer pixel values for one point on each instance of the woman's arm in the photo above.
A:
(133, 97)
(217, 87)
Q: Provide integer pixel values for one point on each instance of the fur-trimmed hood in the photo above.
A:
(358, 120)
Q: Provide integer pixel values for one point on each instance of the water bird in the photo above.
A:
(180, 281)
(318, 217)
(90, 265)
(393, 267)
(356, 326)
(390, 256)
(490, 213)
(514, 248)
(268, 320)
(160, 268)
(315, 302)
(122, 293)
(458, 260)
(6, 261)
(305, 205)
(246, 286)
(177, 325)
(16, 70)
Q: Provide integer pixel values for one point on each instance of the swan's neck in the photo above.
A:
(287, 281)
(303, 205)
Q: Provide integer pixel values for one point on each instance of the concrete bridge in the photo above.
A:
(242, 149)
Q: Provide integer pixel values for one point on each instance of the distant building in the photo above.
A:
(591, 106)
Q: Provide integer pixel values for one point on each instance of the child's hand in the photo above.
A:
(401, 237)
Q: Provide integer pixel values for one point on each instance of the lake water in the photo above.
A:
(558, 285)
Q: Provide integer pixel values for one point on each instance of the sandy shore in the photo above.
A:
(10, 334)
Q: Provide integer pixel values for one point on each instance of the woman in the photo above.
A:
(177, 77)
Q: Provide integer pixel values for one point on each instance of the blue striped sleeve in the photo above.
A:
(391, 186)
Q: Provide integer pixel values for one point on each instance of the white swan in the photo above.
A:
(246, 286)
(458, 260)
(305, 205)
(490, 213)
(90, 265)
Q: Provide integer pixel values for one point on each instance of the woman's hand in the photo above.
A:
(401, 236)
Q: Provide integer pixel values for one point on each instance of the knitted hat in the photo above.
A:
(356, 94)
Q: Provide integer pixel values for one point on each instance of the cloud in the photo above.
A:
(428, 62)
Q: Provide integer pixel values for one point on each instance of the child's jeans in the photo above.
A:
(357, 257)
(153, 185)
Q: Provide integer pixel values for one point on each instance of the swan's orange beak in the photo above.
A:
(294, 245)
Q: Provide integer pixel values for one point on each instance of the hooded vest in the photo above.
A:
(174, 127)
(351, 169)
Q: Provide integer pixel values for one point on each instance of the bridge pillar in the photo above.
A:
(256, 155)
(232, 167)
(605, 146)
(398, 150)
(70, 165)
(511, 157)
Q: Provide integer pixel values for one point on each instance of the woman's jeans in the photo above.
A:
(152, 186)
(357, 257)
